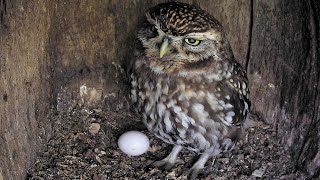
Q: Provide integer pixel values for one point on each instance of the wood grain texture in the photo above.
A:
(284, 70)
(235, 18)
(25, 88)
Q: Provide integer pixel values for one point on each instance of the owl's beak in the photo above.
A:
(165, 47)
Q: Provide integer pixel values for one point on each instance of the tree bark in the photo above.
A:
(25, 84)
(284, 71)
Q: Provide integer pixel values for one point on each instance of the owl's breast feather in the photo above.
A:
(180, 111)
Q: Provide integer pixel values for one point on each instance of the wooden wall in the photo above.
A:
(284, 72)
(26, 88)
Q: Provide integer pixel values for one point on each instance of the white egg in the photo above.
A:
(133, 143)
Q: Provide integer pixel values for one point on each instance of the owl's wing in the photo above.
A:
(237, 89)
(138, 51)
(241, 107)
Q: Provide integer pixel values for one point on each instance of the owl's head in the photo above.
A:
(176, 38)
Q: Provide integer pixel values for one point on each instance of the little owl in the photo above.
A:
(186, 84)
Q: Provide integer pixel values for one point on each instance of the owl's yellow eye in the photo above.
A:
(192, 41)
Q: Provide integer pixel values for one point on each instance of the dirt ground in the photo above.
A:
(84, 146)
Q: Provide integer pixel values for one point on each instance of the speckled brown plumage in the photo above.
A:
(180, 19)
(186, 84)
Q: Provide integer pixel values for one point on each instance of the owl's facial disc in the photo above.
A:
(189, 48)
(169, 44)
(179, 37)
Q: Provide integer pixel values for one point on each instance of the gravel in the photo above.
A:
(84, 146)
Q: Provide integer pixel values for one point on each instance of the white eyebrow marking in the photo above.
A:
(211, 34)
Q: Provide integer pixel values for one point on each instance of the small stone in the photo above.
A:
(171, 175)
(115, 153)
(94, 128)
(96, 150)
(288, 176)
(224, 160)
(240, 157)
(135, 164)
(98, 159)
(108, 166)
(153, 171)
(154, 148)
(259, 172)
(93, 166)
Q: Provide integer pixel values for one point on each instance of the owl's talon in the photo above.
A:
(168, 162)
(163, 164)
(192, 173)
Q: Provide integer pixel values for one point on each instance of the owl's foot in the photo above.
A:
(163, 164)
(193, 172)
(168, 162)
